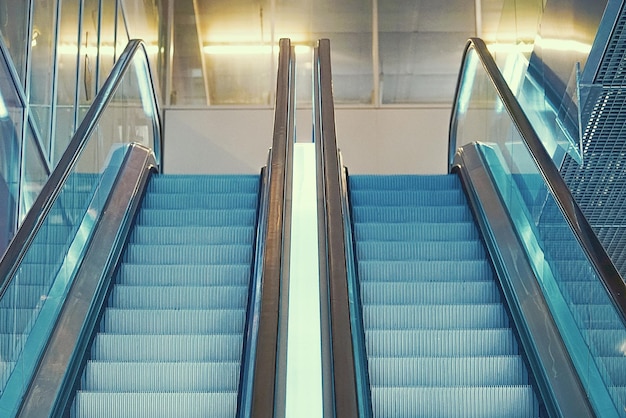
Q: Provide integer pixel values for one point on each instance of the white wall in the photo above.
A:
(372, 140)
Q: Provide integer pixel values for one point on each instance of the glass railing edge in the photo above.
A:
(46, 198)
(612, 280)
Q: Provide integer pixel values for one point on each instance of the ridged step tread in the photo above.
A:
(178, 297)
(402, 214)
(155, 405)
(174, 321)
(457, 402)
(426, 293)
(188, 201)
(188, 254)
(462, 231)
(167, 348)
(196, 217)
(385, 317)
(424, 270)
(434, 250)
(448, 371)
(440, 343)
(184, 275)
(196, 235)
(161, 377)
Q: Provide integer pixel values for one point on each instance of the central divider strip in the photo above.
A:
(304, 362)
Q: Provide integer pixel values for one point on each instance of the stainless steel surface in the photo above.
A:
(269, 367)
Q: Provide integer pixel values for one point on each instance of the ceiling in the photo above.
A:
(420, 43)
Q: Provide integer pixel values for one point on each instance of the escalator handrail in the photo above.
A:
(334, 261)
(267, 363)
(608, 273)
(36, 216)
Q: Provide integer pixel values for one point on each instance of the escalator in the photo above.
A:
(171, 336)
(438, 337)
(482, 292)
(147, 288)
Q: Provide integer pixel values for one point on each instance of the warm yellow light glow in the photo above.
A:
(250, 49)
(92, 50)
(510, 47)
(565, 45)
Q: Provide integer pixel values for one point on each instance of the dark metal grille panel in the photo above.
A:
(599, 184)
(613, 66)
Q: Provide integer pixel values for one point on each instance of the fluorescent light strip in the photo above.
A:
(250, 49)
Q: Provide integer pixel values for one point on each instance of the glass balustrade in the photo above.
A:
(592, 328)
(64, 214)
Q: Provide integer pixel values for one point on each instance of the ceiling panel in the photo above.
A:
(420, 43)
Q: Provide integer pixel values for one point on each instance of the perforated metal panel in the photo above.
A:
(599, 184)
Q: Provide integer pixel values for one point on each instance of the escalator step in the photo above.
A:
(403, 182)
(478, 402)
(584, 292)
(155, 405)
(414, 271)
(161, 377)
(188, 254)
(178, 297)
(157, 235)
(405, 293)
(143, 321)
(410, 197)
(199, 184)
(184, 275)
(384, 317)
(435, 250)
(440, 343)
(197, 217)
(412, 232)
(167, 348)
(605, 342)
(188, 201)
(448, 371)
(401, 214)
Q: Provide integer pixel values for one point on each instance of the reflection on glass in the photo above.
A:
(577, 298)
(35, 173)
(41, 68)
(37, 289)
(11, 115)
(14, 30)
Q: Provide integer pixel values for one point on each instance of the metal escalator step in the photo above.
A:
(167, 348)
(462, 231)
(420, 293)
(184, 275)
(122, 377)
(408, 198)
(403, 182)
(401, 214)
(155, 405)
(385, 317)
(435, 250)
(203, 184)
(478, 402)
(155, 322)
(413, 271)
(157, 235)
(440, 343)
(178, 297)
(448, 371)
(196, 217)
(188, 254)
(188, 201)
